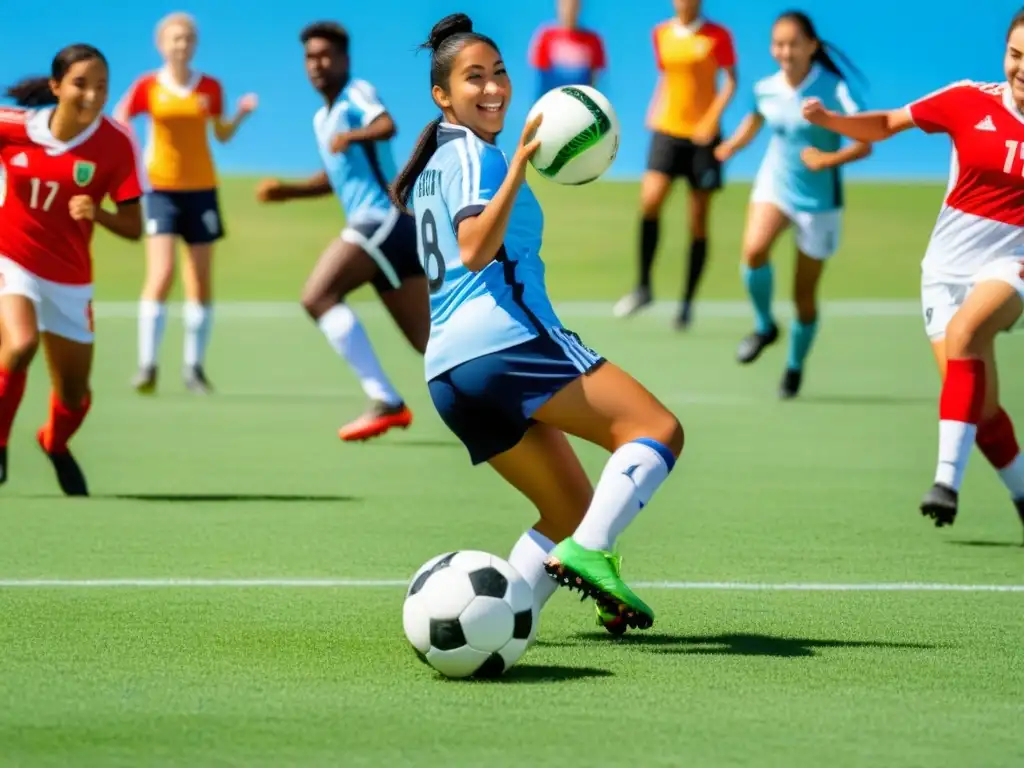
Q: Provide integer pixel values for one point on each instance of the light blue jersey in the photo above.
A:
(783, 178)
(473, 314)
(361, 174)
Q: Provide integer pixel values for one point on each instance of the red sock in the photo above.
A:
(63, 424)
(12, 389)
(963, 391)
(997, 441)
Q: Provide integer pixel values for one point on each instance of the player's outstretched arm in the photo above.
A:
(866, 127)
(381, 128)
(276, 191)
(225, 130)
(481, 237)
(745, 133)
(125, 222)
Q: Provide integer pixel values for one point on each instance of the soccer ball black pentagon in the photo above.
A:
(468, 614)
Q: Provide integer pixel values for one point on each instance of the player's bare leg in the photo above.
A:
(805, 325)
(70, 365)
(700, 213)
(197, 280)
(654, 190)
(409, 307)
(19, 341)
(545, 469)
(765, 222)
(970, 388)
(153, 309)
(608, 407)
(342, 268)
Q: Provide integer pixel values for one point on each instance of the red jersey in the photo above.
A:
(38, 177)
(566, 56)
(982, 217)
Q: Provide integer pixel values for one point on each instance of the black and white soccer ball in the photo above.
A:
(468, 614)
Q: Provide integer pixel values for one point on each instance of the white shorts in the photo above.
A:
(942, 296)
(63, 310)
(816, 234)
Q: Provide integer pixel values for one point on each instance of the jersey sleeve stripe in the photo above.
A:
(475, 166)
(846, 100)
(467, 212)
(460, 150)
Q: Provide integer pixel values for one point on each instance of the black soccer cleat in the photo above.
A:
(684, 319)
(145, 381)
(940, 504)
(634, 301)
(3, 464)
(790, 386)
(196, 381)
(753, 345)
(69, 475)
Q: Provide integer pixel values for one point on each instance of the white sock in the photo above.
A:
(152, 320)
(198, 324)
(1012, 476)
(528, 556)
(346, 335)
(956, 438)
(629, 480)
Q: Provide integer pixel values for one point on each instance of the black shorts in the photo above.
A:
(677, 158)
(391, 244)
(193, 215)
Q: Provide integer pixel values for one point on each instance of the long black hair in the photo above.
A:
(35, 91)
(447, 38)
(827, 53)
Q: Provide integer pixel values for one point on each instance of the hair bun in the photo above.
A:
(455, 24)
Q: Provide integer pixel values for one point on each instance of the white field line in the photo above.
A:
(128, 310)
(285, 583)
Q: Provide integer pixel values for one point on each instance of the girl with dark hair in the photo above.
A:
(60, 162)
(799, 185)
(972, 276)
(504, 374)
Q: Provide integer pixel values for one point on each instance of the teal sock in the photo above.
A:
(801, 337)
(759, 285)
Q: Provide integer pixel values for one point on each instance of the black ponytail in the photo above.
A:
(827, 53)
(447, 38)
(31, 92)
(426, 146)
(36, 91)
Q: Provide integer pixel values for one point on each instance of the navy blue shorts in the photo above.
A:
(392, 246)
(194, 215)
(489, 402)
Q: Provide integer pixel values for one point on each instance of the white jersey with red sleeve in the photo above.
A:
(982, 217)
(40, 176)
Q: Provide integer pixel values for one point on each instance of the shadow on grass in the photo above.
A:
(740, 644)
(227, 498)
(979, 543)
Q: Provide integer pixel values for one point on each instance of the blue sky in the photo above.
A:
(906, 48)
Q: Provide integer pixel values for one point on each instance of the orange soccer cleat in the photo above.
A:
(376, 421)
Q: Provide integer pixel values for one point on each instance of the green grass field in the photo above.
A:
(800, 616)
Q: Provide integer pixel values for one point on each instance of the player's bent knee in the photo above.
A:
(72, 393)
(316, 304)
(666, 429)
(964, 337)
(19, 351)
(755, 258)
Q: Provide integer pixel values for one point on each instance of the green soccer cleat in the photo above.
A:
(596, 574)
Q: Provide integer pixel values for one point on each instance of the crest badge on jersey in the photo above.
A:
(83, 172)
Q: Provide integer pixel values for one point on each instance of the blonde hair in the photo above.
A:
(172, 19)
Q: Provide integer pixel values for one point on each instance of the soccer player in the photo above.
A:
(565, 53)
(972, 276)
(504, 374)
(378, 245)
(180, 103)
(685, 116)
(60, 162)
(798, 185)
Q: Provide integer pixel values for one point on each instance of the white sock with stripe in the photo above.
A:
(152, 321)
(630, 478)
(348, 338)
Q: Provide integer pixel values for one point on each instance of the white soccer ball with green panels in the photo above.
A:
(579, 136)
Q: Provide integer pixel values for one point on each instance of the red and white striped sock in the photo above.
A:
(963, 394)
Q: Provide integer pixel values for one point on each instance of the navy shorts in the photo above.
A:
(489, 402)
(392, 246)
(677, 158)
(193, 215)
